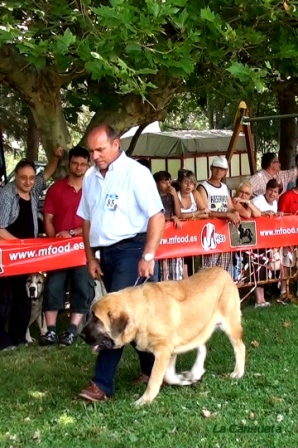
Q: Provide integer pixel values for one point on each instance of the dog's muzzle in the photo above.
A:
(98, 340)
(32, 293)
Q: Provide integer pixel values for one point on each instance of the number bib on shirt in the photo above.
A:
(111, 201)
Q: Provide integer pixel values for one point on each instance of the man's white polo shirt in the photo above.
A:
(120, 204)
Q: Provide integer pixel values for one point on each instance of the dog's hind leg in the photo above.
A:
(174, 378)
(171, 376)
(235, 336)
(198, 370)
(189, 377)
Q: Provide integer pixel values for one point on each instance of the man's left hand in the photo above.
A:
(63, 234)
(146, 268)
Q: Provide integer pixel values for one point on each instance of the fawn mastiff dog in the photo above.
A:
(168, 318)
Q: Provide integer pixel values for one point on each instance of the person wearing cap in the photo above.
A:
(217, 199)
(271, 170)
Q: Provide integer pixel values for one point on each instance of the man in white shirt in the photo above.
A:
(123, 220)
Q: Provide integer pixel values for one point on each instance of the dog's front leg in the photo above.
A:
(162, 359)
(28, 336)
(42, 325)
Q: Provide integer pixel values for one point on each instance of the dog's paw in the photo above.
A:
(236, 375)
(141, 401)
(190, 377)
(186, 378)
(30, 340)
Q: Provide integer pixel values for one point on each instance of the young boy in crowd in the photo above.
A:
(172, 268)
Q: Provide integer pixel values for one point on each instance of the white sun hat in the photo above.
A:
(220, 162)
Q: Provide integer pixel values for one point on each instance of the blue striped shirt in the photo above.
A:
(9, 202)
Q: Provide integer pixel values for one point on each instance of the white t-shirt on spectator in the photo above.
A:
(262, 204)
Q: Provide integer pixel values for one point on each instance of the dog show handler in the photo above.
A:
(123, 221)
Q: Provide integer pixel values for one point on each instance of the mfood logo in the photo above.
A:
(209, 238)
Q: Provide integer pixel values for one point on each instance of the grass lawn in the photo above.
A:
(39, 387)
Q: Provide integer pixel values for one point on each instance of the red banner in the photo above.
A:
(204, 237)
(40, 255)
(198, 237)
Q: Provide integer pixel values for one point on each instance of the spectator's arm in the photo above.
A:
(201, 190)
(254, 209)
(49, 225)
(177, 222)
(239, 207)
(53, 163)
(177, 204)
(5, 235)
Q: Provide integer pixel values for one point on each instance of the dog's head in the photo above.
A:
(106, 328)
(35, 286)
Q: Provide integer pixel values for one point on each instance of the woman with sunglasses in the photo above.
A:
(242, 203)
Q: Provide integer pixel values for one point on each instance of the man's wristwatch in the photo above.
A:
(72, 232)
(148, 256)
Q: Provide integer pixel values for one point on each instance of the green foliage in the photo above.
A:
(221, 50)
(131, 41)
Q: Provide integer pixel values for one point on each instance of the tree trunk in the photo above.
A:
(51, 124)
(32, 139)
(125, 111)
(210, 114)
(40, 89)
(288, 129)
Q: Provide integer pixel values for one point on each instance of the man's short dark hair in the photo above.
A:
(79, 151)
(161, 175)
(267, 158)
(23, 163)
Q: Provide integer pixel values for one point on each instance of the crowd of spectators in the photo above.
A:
(267, 192)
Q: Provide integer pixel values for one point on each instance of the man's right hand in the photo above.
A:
(234, 217)
(94, 268)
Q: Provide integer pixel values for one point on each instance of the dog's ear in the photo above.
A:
(118, 323)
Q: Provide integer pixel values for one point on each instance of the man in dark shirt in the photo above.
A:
(18, 220)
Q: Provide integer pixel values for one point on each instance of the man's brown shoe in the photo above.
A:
(141, 379)
(93, 393)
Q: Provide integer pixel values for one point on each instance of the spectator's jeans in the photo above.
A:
(119, 264)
